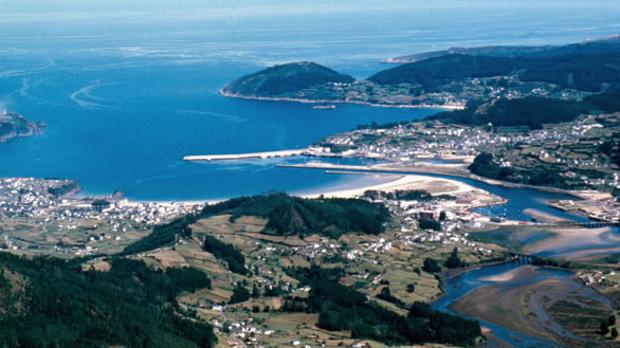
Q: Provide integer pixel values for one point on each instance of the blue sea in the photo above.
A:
(125, 99)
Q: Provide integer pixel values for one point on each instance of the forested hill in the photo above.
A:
(463, 74)
(582, 71)
(283, 79)
(49, 302)
(286, 215)
(532, 112)
(440, 70)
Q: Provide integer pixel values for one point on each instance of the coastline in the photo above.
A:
(341, 101)
(380, 182)
(447, 170)
(398, 182)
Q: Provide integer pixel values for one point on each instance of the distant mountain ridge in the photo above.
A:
(510, 51)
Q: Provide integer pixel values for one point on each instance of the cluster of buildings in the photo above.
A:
(242, 333)
(595, 277)
(37, 198)
(451, 221)
(52, 206)
(571, 146)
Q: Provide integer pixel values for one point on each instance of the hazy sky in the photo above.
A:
(33, 10)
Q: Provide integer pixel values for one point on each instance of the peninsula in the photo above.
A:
(13, 125)
(451, 78)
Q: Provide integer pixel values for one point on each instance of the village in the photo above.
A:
(48, 215)
(450, 143)
(423, 227)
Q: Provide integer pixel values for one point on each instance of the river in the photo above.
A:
(517, 200)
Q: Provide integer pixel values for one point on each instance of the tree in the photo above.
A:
(604, 329)
(385, 293)
(431, 266)
(255, 291)
(240, 294)
(428, 224)
(454, 261)
(442, 216)
(410, 288)
(611, 321)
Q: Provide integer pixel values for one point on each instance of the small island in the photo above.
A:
(13, 125)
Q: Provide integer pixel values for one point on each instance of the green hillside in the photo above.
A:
(48, 302)
(287, 215)
(283, 79)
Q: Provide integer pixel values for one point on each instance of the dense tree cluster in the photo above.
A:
(227, 253)
(454, 261)
(431, 266)
(386, 295)
(343, 308)
(405, 195)
(429, 224)
(549, 262)
(287, 215)
(59, 305)
(532, 112)
(240, 294)
(485, 165)
(163, 235)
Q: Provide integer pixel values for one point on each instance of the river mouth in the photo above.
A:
(543, 292)
(524, 300)
(524, 305)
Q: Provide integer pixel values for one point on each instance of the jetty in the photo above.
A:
(249, 155)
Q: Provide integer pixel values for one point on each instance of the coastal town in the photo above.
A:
(465, 193)
(435, 141)
(49, 216)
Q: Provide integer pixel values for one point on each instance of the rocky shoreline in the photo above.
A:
(13, 125)
(341, 101)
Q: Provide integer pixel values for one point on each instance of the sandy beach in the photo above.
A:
(399, 182)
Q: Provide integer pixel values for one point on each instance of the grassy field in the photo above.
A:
(267, 257)
(34, 236)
